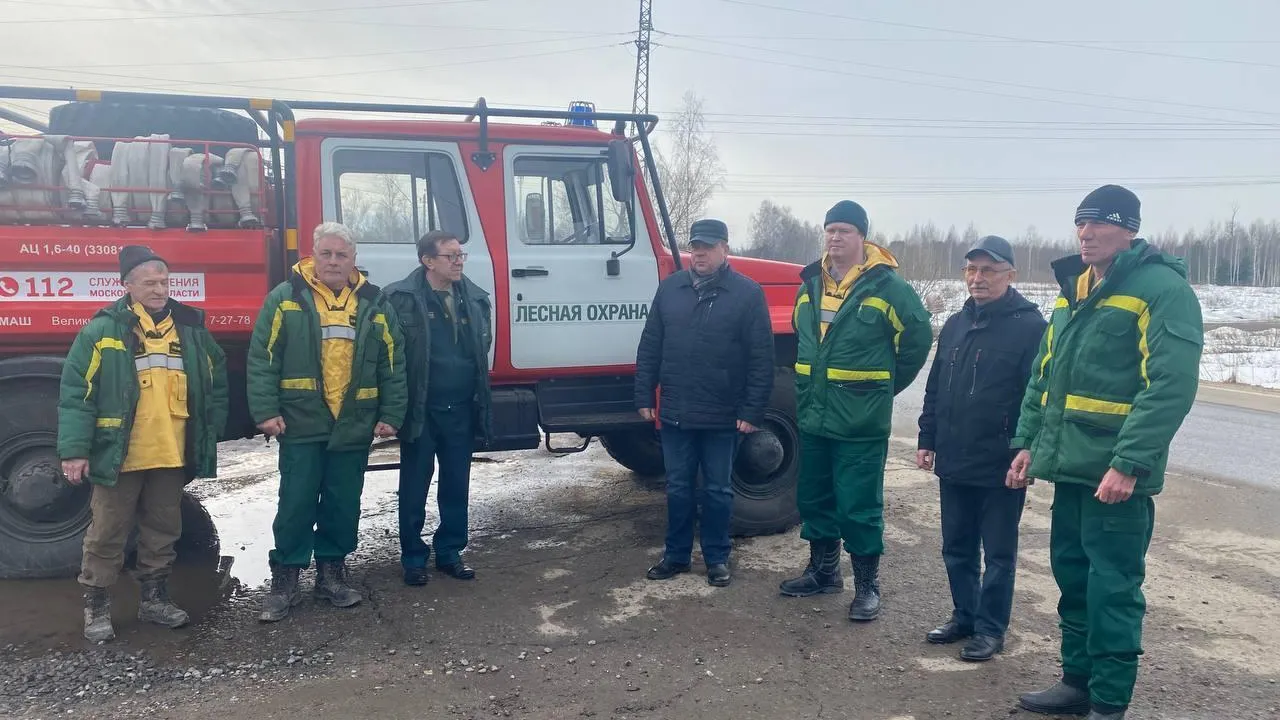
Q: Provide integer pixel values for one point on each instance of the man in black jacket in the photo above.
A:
(708, 343)
(445, 319)
(971, 406)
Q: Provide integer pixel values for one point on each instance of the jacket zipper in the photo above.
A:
(951, 367)
(974, 385)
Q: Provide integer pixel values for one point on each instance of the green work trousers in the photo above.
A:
(319, 506)
(1098, 554)
(840, 492)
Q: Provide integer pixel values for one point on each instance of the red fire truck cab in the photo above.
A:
(556, 220)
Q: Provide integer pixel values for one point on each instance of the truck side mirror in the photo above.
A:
(622, 170)
(535, 217)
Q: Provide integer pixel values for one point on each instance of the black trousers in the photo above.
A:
(980, 523)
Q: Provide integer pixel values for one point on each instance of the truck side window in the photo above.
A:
(396, 196)
(566, 201)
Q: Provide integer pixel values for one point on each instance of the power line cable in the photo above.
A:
(1007, 38)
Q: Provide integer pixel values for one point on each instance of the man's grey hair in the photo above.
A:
(150, 264)
(336, 230)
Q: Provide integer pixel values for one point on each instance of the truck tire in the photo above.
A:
(765, 473)
(767, 468)
(42, 517)
(128, 121)
(639, 451)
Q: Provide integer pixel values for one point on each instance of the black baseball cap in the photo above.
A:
(997, 247)
(708, 232)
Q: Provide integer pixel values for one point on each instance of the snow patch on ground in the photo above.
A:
(1231, 354)
(1219, 304)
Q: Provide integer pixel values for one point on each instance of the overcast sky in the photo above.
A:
(1000, 113)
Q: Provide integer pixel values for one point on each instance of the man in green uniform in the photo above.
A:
(444, 318)
(326, 374)
(863, 336)
(1116, 374)
(142, 406)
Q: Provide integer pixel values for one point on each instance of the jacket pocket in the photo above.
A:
(298, 397)
(1085, 449)
(1116, 342)
(178, 396)
(859, 408)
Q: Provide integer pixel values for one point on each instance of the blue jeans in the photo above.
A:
(981, 523)
(448, 437)
(684, 453)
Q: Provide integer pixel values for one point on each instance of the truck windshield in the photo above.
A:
(568, 201)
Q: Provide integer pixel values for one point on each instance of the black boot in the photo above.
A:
(331, 584)
(821, 576)
(866, 583)
(1061, 699)
(284, 594)
(97, 615)
(155, 606)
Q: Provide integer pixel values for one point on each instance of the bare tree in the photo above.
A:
(688, 165)
(777, 234)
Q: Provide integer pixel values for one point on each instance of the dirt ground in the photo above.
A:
(562, 624)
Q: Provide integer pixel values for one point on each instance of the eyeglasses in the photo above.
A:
(454, 257)
(986, 272)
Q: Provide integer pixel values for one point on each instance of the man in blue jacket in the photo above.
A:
(708, 342)
(971, 407)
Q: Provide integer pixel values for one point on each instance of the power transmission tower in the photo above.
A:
(640, 101)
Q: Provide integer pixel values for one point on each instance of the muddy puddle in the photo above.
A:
(47, 614)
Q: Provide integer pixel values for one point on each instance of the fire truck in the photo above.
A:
(557, 219)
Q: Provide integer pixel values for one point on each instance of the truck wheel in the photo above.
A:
(42, 517)
(768, 467)
(639, 451)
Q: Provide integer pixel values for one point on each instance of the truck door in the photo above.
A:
(563, 226)
(392, 192)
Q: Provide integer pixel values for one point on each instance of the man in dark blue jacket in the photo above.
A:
(971, 406)
(708, 342)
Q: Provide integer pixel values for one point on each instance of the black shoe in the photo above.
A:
(331, 584)
(665, 570)
(981, 648)
(284, 594)
(822, 574)
(1061, 699)
(866, 583)
(415, 576)
(457, 570)
(947, 633)
(718, 575)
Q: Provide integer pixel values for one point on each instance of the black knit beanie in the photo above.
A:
(1111, 204)
(131, 256)
(848, 211)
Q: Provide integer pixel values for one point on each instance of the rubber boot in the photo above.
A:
(866, 583)
(331, 584)
(284, 594)
(821, 576)
(97, 615)
(1061, 699)
(154, 606)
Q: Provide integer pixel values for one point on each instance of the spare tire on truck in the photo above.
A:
(127, 121)
(42, 516)
(765, 473)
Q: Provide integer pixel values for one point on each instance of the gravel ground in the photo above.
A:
(561, 624)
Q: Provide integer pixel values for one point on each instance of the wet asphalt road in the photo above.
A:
(1212, 442)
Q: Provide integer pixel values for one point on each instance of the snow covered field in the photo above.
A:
(1235, 355)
